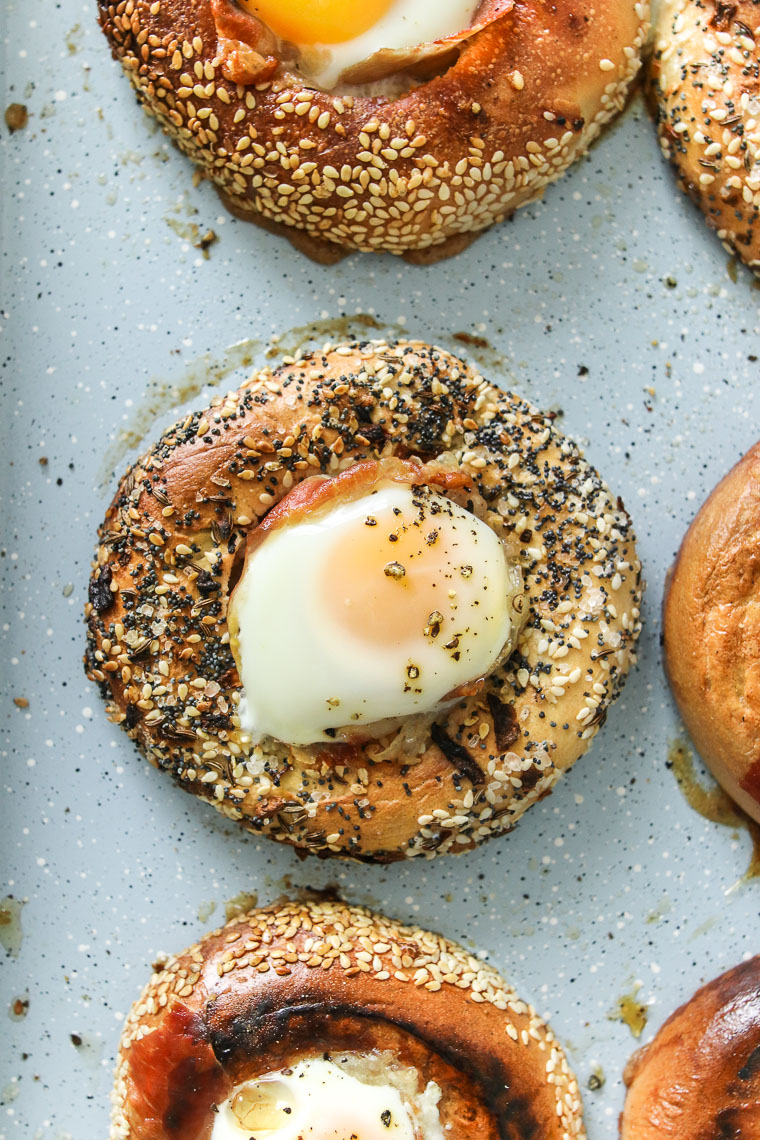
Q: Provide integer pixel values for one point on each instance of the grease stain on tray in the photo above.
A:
(89, 1048)
(240, 904)
(11, 934)
(664, 906)
(208, 370)
(481, 351)
(161, 396)
(333, 329)
(205, 910)
(630, 1011)
(10, 1092)
(190, 231)
(712, 803)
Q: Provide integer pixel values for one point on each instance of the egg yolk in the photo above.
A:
(261, 1106)
(319, 21)
(315, 1101)
(382, 584)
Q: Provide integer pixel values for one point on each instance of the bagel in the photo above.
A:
(174, 539)
(292, 984)
(711, 622)
(704, 85)
(700, 1077)
(517, 97)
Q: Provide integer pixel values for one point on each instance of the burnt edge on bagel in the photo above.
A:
(293, 980)
(157, 634)
(417, 175)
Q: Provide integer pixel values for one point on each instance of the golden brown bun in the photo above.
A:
(294, 980)
(158, 635)
(526, 96)
(700, 1077)
(705, 85)
(712, 632)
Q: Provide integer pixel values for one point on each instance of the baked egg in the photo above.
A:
(367, 598)
(317, 1100)
(332, 38)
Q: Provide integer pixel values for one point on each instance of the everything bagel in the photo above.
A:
(323, 985)
(705, 88)
(173, 545)
(417, 171)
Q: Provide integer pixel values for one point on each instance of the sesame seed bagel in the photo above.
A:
(700, 1077)
(173, 542)
(298, 980)
(711, 622)
(415, 173)
(704, 82)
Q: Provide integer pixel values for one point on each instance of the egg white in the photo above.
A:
(405, 24)
(317, 1100)
(303, 678)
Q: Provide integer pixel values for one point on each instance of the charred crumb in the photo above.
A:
(100, 595)
(505, 727)
(459, 758)
(16, 118)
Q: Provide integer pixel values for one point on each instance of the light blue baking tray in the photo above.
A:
(610, 301)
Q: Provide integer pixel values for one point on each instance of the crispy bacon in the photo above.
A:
(314, 495)
(175, 1079)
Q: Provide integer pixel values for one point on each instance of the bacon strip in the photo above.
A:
(314, 495)
(175, 1079)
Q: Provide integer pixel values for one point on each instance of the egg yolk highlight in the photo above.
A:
(319, 21)
(380, 583)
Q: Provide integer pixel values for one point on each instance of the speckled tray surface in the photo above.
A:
(609, 301)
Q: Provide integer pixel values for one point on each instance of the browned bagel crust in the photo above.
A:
(704, 83)
(711, 621)
(296, 979)
(700, 1077)
(526, 97)
(158, 635)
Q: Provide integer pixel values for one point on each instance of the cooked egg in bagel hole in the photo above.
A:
(368, 597)
(276, 1027)
(342, 40)
(321, 1098)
